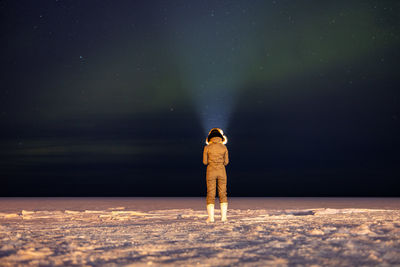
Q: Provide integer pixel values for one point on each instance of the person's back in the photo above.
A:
(216, 152)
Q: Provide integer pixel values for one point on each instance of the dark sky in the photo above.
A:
(115, 98)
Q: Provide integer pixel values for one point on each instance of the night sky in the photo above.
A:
(115, 98)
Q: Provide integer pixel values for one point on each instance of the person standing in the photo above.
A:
(215, 156)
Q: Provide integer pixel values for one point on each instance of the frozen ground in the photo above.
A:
(172, 231)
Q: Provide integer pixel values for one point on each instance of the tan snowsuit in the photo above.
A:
(215, 155)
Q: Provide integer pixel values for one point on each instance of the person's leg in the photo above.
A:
(211, 188)
(223, 200)
(222, 188)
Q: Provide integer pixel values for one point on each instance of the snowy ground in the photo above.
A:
(139, 232)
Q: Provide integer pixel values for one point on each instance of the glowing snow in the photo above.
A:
(118, 235)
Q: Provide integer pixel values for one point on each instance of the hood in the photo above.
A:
(219, 136)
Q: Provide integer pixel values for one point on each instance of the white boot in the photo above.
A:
(210, 211)
(224, 209)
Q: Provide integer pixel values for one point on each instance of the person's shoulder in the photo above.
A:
(222, 145)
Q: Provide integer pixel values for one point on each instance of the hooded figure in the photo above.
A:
(215, 156)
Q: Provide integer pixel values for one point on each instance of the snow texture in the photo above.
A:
(117, 236)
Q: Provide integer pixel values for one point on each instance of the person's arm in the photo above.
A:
(205, 155)
(226, 157)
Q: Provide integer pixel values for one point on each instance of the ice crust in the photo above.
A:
(261, 237)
